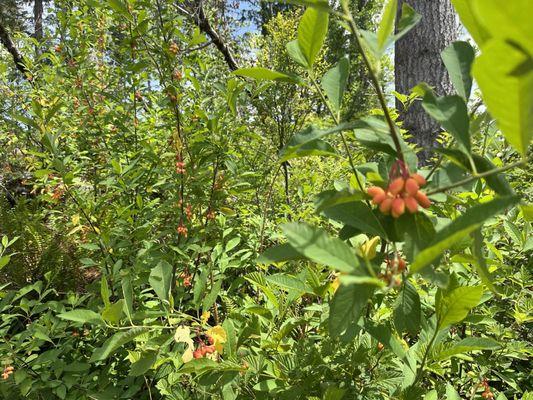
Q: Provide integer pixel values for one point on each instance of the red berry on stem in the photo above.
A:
(386, 205)
(411, 204)
(375, 190)
(419, 179)
(423, 199)
(396, 186)
(411, 186)
(398, 207)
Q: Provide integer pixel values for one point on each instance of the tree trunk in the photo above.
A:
(417, 59)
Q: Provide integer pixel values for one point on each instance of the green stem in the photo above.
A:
(374, 79)
(477, 176)
(420, 372)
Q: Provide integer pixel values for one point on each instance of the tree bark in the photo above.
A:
(6, 41)
(417, 59)
(38, 19)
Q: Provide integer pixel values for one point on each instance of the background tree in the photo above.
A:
(417, 59)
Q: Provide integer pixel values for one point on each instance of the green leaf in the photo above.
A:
(315, 244)
(127, 292)
(386, 26)
(407, 310)
(346, 307)
(141, 366)
(458, 58)
(384, 335)
(451, 113)
(113, 312)
(4, 260)
(289, 282)
(312, 32)
(465, 346)
(465, 10)
(334, 82)
(497, 182)
(104, 291)
(451, 393)
(294, 52)
(315, 148)
(504, 74)
(83, 316)
(230, 347)
(279, 253)
(211, 297)
(160, 277)
(407, 21)
(114, 342)
(471, 220)
(454, 306)
(358, 215)
(481, 263)
(119, 6)
(264, 74)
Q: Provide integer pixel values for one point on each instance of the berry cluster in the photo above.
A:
(487, 393)
(187, 279)
(401, 194)
(204, 349)
(180, 167)
(7, 371)
(182, 230)
(395, 266)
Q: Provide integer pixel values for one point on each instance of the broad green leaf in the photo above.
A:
(334, 393)
(386, 26)
(315, 148)
(289, 282)
(481, 263)
(127, 292)
(384, 334)
(294, 52)
(504, 74)
(230, 347)
(506, 21)
(346, 307)
(279, 253)
(114, 342)
(119, 6)
(211, 297)
(104, 291)
(315, 244)
(407, 21)
(160, 279)
(471, 220)
(407, 310)
(113, 312)
(454, 306)
(451, 113)
(451, 393)
(497, 182)
(356, 214)
(264, 74)
(458, 58)
(141, 366)
(312, 31)
(465, 10)
(465, 346)
(4, 260)
(83, 316)
(334, 82)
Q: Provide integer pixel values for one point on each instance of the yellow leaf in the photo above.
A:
(369, 248)
(218, 334)
(205, 317)
(183, 335)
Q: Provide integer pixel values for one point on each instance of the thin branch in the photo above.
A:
(7, 42)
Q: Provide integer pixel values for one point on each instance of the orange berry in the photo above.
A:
(378, 198)
(386, 205)
(411, 186)
(398, 207)
(375, 190)
(210, 349)
(380, 346)
(419, 179)
(401, 265)
(396, 186)
(411, 204)
(197, 353)
(423, 199)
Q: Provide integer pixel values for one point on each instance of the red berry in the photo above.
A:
(398, 207)
(411, 204)
(386, 205)
(378, 199)
(375, 190)
(197, 353)
(419, 179)
(411, 186)
(396, 186)
(422, 199)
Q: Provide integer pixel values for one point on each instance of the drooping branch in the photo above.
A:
(7, 42)
(201, 20)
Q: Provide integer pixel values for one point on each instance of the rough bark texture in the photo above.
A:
(6, 41)
(417, 59)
